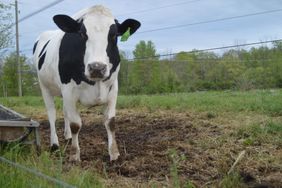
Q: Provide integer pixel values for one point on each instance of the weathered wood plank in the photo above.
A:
(6, 123)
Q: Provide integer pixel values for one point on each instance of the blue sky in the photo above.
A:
(163, 13)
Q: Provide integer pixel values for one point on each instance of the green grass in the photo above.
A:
(265, 102)
(257, 134)
(260, 101)
(46, 164)
(33, 102)
(232, 180)
(175, 160)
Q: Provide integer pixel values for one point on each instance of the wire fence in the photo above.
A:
(32, 14)
(36, 173)
(207, 49)
(203, 69)
(167, 27)
(169, 73)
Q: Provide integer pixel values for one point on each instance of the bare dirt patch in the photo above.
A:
(204, 149)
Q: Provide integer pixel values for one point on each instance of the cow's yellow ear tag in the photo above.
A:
(125, 35)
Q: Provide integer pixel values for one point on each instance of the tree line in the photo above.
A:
(147, 73)
(234, 69)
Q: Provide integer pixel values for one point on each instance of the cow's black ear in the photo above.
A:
(66, 23)
(129, 23)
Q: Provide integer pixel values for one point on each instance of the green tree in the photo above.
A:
(276, 63)
(5, 25)
(144, 50)
(141, 72)
(5, 33)
(123, 73)
(9, 77)
(258, 67)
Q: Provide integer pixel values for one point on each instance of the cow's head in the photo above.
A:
(99, 30)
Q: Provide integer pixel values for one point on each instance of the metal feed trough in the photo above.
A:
(15, 127)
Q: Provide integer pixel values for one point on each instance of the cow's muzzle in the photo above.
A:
(97, 70)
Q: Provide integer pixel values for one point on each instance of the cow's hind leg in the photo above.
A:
(51, 111)
(75, 124)
(110, 125)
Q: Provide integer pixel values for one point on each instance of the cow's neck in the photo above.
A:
(94, 95)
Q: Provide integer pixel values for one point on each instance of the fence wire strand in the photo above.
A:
(37, 173)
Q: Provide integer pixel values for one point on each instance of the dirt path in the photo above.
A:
(151, 144)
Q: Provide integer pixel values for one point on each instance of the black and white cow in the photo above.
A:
(80, 62)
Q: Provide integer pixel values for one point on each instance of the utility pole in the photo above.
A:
(18, 51)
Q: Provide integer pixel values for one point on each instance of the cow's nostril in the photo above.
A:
(104, 68)
(97, 69)
(89, 67)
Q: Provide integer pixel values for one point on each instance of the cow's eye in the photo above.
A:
(113, 38)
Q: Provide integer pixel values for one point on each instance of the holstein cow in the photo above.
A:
(80, 62)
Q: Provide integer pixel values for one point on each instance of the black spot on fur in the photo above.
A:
(71, 57)
(43, 48)
(74, 128)
(42, 54)
(41, 61)
(112, 49)
(34, 47)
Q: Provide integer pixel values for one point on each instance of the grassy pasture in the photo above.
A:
(248, 121)
(258, 101)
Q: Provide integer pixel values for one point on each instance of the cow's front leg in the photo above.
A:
(112, 145)
(67, 130)
(75, 125)
(110, 127)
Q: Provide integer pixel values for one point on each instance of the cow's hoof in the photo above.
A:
(74, 154)
(74, 158)
(114, 156)
(54, 148)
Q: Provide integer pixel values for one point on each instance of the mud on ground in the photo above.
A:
(203, 149)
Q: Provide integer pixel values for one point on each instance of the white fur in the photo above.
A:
(97, 20)
(97, 27)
